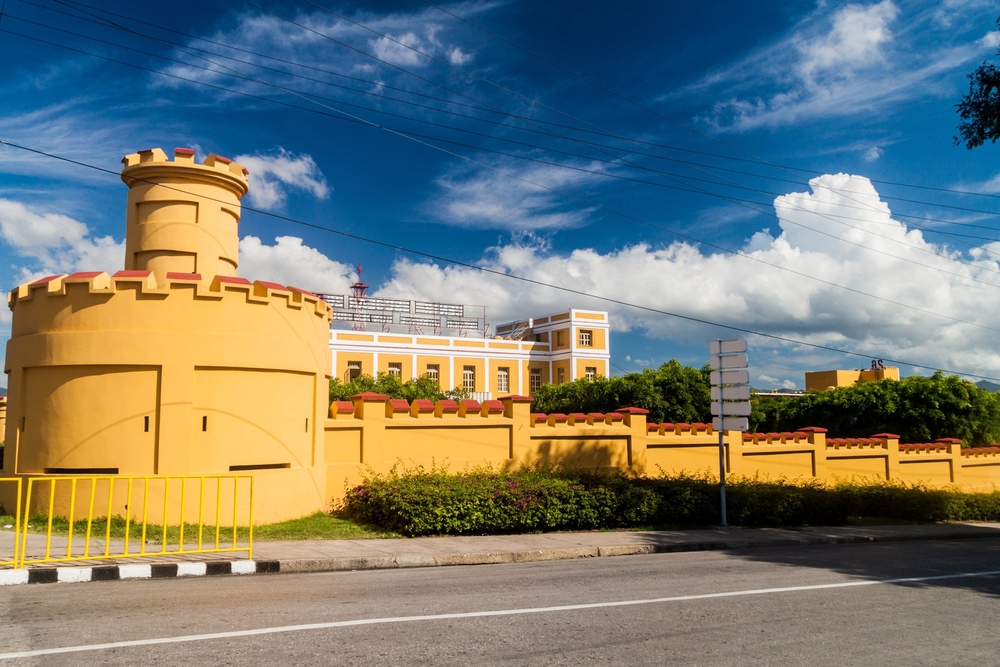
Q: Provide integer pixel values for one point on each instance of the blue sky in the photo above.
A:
(760, 187)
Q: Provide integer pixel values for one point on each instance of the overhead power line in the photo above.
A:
(504, 274)
(579, 199)
(579, 120)
(534, 146)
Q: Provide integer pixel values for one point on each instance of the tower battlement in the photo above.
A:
(183, 217)
(183, 157)
(101, 285)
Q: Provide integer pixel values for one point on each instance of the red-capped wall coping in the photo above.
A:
(174, 275)
(270, 285)
(83, 275)
(223, 160)
(813, 429)
(131, 274)
(370, 396)
(539, 416)
(448, 405)
(972, 451)
(683, 426)
(652, 427)
(493, 406)
(616, 415)
(924, 446)
(234, 280)
(301, 291)
(399, 405)
(423, 405)
(701, 425)
(887, 436)
(46, 279)
(183, 151)
(516, 399)
(344, 406)
(597, 415)
(668, 426)
(578, 417)
(558, 416)
(633, 411)
(471, 406)
(950, 441)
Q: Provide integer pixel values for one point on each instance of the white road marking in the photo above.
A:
(477, 614)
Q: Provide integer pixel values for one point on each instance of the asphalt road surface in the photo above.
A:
(914, 603)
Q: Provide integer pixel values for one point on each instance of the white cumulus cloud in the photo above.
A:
(290, 262)
(273, 174)
(55, 243)
(897, 264)
(841, 60)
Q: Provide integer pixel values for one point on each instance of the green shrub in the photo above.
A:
(919, 409)
(485, 501)
(422, 387)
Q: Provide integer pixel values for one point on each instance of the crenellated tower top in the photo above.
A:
(183, 216)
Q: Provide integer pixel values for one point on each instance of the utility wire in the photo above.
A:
(505, 113)
(593, 204)
(576, 119)
(504, 274)
(629, 100)
(483, 109)
(603, 174)
(629, 165)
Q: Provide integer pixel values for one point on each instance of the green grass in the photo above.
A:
(318, 526)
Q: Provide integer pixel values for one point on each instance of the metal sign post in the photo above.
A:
(730, 398)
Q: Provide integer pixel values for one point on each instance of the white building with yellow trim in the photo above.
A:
(520, 358)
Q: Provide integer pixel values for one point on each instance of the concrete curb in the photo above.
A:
(51, 575)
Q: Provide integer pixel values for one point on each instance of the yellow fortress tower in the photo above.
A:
(174, 365)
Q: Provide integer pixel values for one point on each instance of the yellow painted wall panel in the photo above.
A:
(870, 467)
(790, 465)
(933, 473)
(266, 412)
(89, 417)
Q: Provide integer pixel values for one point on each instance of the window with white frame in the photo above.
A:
(503, 379)
(590, 372)
(396, 368)
(353, 370)
(534, 379)
(561, 375)
(434, 372)
(469, 378)
(586, 338)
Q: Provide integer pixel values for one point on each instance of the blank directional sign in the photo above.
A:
(734, 361)
(730, 424)
(730, 377)
(731, 409)
(727, 346)
(731, 393)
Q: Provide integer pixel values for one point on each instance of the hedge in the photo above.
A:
(483, 501)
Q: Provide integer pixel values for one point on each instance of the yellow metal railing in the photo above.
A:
(121, 514)
(17, 523)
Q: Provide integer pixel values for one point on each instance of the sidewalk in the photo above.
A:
(333, 555)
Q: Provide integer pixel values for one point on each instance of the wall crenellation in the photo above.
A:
(102, 283)
(185, 157)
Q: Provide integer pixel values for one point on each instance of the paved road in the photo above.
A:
(825, 619)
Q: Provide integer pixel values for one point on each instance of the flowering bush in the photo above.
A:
(417, 501)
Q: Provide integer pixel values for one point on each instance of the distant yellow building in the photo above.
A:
(824, 380)
(522, 356)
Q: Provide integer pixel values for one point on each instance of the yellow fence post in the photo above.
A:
(58, 485)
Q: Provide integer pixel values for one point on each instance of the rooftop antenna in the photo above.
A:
(360, 291)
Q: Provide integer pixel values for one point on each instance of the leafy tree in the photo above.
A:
(980, 109)
(422, 387)
(918, 409)
(671, 393)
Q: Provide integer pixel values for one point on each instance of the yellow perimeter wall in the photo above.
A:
(374, 433)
